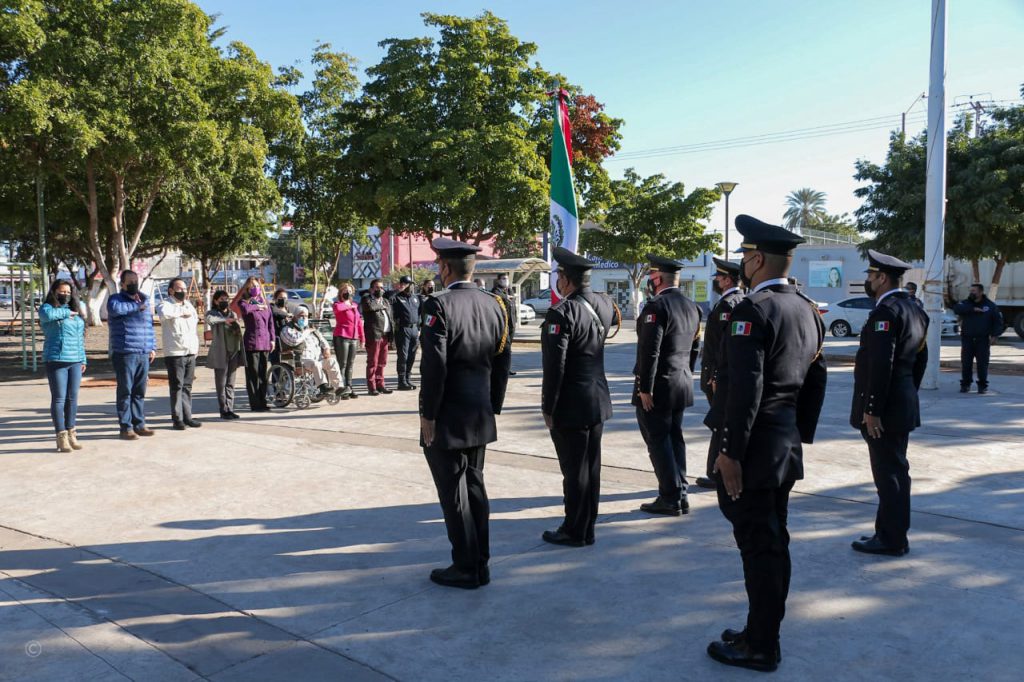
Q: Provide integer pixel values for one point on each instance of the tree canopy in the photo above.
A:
(806, 208)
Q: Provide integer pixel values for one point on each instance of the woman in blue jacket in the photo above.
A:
(64, 354)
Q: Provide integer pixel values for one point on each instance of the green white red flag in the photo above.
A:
(564, 223)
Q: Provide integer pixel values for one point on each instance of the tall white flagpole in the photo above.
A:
(935, 195)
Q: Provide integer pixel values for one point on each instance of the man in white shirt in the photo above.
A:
(178, 323)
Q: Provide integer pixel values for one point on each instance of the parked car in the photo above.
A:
(526, 313)
(847, 317)
(299, 296)
(540, 303)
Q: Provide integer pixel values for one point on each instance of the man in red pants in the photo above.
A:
(379, 326)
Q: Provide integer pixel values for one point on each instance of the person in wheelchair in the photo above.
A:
(314, 351)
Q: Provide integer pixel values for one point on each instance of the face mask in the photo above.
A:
(716, 287)
(377, 293)
(254, 292)
(345, 295)
(300, 323)
(222, 305)
(428, 290)
(503, 283)
(180, 295)
(652, 288)
(62, 299)
(131, 289)
(868, 290)
(747, 278)
(281, 302)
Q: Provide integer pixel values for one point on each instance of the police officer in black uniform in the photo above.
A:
(726, 283)
(770, 390)
(668, 340)
(502, 290)
(575, 399)
(405, 310)
(464, 372)
(891, 361)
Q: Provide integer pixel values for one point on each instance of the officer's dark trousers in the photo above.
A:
(406, 343)
(459, 478)
(758, 520)
(663, 434)
(579, 457)
(974, 348)
(891, 471)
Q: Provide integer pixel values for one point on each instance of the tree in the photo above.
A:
(806, 209)
(840, 224)
(985, 195)
(313, 171)
(131, 107)
(652, 215)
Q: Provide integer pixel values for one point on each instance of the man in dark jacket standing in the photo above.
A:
(890, 363)
(726, 284)
(464, 372)
(770, 390)
(501, 290)
(379, 327)
(574, 393)
(132, 349)
(405, 305)
(981, 324)
(668, 339)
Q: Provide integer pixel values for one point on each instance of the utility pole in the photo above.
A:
(979, 109)
(935, 194)
(43, 267)
(903, 116)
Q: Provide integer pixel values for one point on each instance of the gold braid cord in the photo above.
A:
(504, 330)
(618, 319)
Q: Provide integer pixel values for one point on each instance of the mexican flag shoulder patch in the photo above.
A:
(724, 317)
(741, 328)
(554, 328)
(430, 320)
(649, 318)
(881, 326)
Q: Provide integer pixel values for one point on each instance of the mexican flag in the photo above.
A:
(564, 224)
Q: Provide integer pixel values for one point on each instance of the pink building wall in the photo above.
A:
(422, 255)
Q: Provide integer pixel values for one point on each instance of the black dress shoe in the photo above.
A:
(730, 636)
(660, 506)
(484, 575)
(404, 387)
(511, 373)
(178, 426)
(739, 654)
(453, 577)
(559, 537)
(194, 423)
(233, 415)
(982, 391)
(226, 415)
(370, 392)
(386, 391)
(965, 389)
(876, 546)
(412, 385)
(705, 482)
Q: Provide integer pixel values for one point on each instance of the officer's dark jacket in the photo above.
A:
(890, 364)
(506, 298)
(985, 322)
(464, 366)
(714, 337)
(405, 310)
(771, 385)
(668, 341)
(575, 389)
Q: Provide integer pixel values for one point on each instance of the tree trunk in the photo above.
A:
(975, 271)
(993, 290)
(635, 275)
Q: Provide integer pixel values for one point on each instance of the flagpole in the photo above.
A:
(935, 195)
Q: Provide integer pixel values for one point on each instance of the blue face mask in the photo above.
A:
(300, 323)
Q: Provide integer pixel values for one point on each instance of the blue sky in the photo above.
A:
(687, 72)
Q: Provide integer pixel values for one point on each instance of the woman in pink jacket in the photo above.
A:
(348, 334)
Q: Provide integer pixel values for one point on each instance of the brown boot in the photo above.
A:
(62, 442)
(73, 440)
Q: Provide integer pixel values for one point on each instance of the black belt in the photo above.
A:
(409, 326)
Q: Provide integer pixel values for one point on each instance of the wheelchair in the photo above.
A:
(290, 383)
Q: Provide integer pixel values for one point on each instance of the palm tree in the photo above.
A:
(806, 209)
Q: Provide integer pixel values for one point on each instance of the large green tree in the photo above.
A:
(652, 215)
(133, 108)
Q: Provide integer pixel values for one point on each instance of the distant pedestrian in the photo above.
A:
(132, 349)
(912, 292)
(427, 288)
(890, 365)
(479, 282)
(226, 354)
(348, 335)
(178, 324)
(981, 323)
(405, 306)
(64, 355)
(258, 341)
(378, 328)
(502, 290)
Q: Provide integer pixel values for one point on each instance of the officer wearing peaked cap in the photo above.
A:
(890, 364)
(574, 393)
(464, 372)
(725, 283)
(668, 339)
(770, 389)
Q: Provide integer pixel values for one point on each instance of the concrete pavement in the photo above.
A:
(297, 544)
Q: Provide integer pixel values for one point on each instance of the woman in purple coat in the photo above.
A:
(257, 341)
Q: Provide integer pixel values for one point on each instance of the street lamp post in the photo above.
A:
(727, 188)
